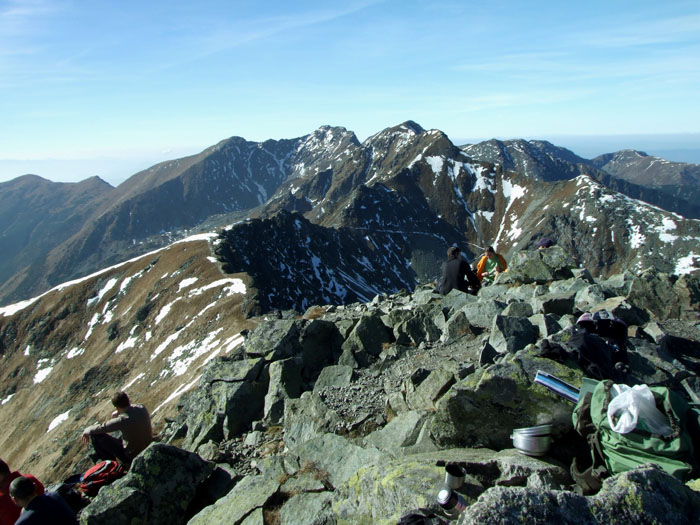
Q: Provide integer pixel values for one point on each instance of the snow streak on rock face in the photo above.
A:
(148, 326)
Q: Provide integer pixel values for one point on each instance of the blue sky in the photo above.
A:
(108, 88)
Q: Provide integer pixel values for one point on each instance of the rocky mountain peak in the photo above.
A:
(341, 412)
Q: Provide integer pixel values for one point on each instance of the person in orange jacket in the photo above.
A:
(490, 265)
(9, 512)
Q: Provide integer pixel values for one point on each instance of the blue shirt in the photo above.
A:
(49, 508)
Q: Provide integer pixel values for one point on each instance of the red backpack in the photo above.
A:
(99, 475)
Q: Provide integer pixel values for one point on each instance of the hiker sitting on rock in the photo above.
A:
(490, 265)
(9, 512)
(39, 509)
(133, 421)
(456, 273)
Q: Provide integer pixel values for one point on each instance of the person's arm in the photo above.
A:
(114, 424)
(480, 267)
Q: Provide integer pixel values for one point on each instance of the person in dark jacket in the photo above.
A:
(40, 509)
(456, 273)
(9, 512)
(133, 421)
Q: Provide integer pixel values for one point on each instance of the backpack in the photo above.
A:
(99, 475)
(613, 452)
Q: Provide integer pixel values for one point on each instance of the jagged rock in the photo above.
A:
(367, 338)
(257, 517)
(643, 495)
(275, 340)
(568, 285)
(558, 303)
(482, 313)
(654, 292)
(320, 342)
(618, 284)
(424, 295)
(547, 324)
(496, 291)
(306, 418)
(518, 309)
(400, 432)
(336, 458)
(655, 331)
(588, 297)
(285, 383)
(419, 327)
(382, 492)
(485, 407)
(229, 396)
(510, 334)
(158, 489)
(538, 266)
(315, 340)
(431, 389)
(623, 309)
(488, 355)
(396, 403)
(687, 287)
(308, 508)
(251, 493)
(336, 375)
(456, 327)
(455, 299)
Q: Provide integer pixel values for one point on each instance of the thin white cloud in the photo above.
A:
(647, 32)
(257, 29)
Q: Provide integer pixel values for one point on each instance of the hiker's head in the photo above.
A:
(490, 252)
(452, 252)
(22, 491)
(120, 400)
(4, 471)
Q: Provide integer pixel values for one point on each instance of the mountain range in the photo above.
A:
(268, 261)
(404, 192)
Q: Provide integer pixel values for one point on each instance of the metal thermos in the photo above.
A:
(451, 501)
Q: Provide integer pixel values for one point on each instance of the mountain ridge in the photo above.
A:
(454, 193)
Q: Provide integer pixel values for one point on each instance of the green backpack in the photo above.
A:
(613, 452)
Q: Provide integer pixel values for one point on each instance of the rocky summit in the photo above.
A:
(339, 413)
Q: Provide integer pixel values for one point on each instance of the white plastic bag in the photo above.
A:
(635, 406)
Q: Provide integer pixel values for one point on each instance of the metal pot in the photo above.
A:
(532, 441)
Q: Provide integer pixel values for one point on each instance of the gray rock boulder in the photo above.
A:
(538, 266)
(558, 303)
(367, 338)
(158, 489)
(306, 418)
(230, 395)
(482, 313)
(336, 458)
(510, 334)
(285, 383)
(248, 496)
(484, 408)
(383, 491)
(643, 495)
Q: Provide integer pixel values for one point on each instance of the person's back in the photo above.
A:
(51, 508)
(137, 433)
(456, 273)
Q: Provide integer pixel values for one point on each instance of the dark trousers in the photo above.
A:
(108, 447)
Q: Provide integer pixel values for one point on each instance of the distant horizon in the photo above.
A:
(675, 147)
(128, 84)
